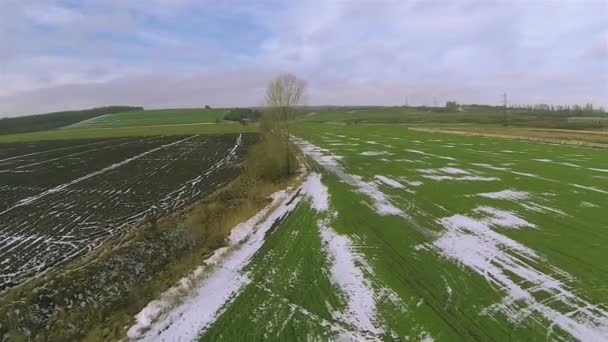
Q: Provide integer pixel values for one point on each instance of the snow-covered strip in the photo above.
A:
(543, 209)
(375, 153)
(160, 320)
(453, 173)
(589, 205)
(80, 123)
(61, 187)
(591, 188)
(429, 154)
(509, 265)
(390, 182)
(361, 304)
(344, 272)
(511, 195)
(556, 163)
(598, 170)
(441, 178)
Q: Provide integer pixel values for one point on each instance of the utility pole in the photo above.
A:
(406, 102)
(504, 107)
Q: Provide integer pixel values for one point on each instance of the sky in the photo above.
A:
(73, 54)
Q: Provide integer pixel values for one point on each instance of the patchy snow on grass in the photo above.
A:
(375, 153)
(591, 188)
(543, 209)
(491, 167)
(342, 144)
(501, 218)
(509, 265)
(511, 195)
(359, 293)
(390, 182)
(379, 199)
(454, 171)
(215, 287)
(465, 178)
(599, 170)
(429, 154)
(550, 161)
(348, 271)
(453, 174)
(314, 188)
(589, 205)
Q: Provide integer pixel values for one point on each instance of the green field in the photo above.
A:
(427, 236)
(467, 115)
(167, 129)
(155, 117)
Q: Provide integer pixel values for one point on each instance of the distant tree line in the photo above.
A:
(243, 114)
(42, 122)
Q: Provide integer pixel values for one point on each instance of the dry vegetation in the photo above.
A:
(563, 136)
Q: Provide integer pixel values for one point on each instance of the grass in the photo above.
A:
(570, 242)
(443, 297)
(155, 117)
(289, 292)
(85, 133)
(468, 116)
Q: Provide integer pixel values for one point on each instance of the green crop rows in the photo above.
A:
(459, 238)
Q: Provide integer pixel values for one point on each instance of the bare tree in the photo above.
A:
(283, 94)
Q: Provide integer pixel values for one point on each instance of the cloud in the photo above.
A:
(223, 89)
(351, 52)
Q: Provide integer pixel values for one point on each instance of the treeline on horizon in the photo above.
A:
(43, 122)
(454, 107)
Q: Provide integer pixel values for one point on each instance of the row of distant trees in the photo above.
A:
(557, 110)
(42, 122)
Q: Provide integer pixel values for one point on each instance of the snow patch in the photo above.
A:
(390, 182)
(599, 170)
(591, 188)
(509, 265)
(452, 173)
(375, 153)
(589, 205)
(508, 194)
(380, 200)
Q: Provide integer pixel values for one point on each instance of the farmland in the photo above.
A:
(483, 116)
(153, 118)
(61, 199)
(407, 235)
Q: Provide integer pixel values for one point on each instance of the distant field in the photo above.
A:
(115, 132)
(593, 138)
(468, 116)
(418, 236)
(154, 117)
